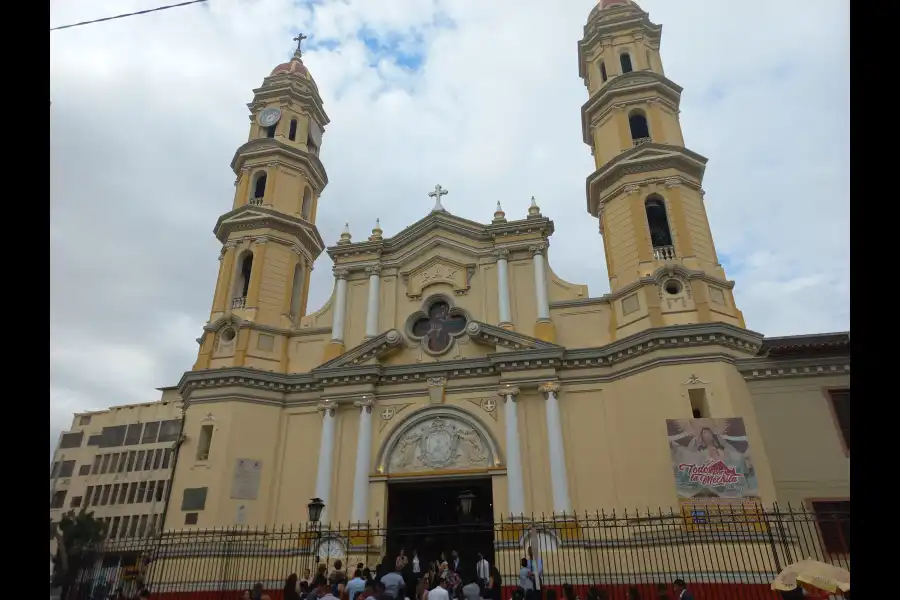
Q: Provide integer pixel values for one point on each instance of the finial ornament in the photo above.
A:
(534, 210)
(345, 235)
(376, 233)
(299, 39)
(499, 215)
(436, 194)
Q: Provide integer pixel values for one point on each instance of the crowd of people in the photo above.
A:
(448, 578)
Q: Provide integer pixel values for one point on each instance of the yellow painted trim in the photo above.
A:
(508, 326)
(640, 228)
(545, 330)
(675, 208)
(243, 192)
(220, 299)
(205, 354)
(701, 300)
(613, 320)
(293, 260)
(651, 297)
(240, 350)
(624, 130)
(440, 473)
(657, 131)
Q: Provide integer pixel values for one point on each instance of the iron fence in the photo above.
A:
(723, 552)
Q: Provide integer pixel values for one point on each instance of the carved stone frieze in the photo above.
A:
(444, 442)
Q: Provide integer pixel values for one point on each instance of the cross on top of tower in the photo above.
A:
(436, 194)
(299, 39)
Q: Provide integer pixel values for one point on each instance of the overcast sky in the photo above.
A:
(480, 96)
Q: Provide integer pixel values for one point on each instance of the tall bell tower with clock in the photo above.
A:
(269, 237)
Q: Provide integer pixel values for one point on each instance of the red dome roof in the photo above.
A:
(294, 66)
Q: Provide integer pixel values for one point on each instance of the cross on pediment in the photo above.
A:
(436, 194)
(438, 327)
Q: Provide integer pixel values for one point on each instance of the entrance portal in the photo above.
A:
(428, 517)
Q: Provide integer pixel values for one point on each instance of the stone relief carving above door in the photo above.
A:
(442, 442)
(438, 270)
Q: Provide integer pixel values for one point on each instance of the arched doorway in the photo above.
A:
(439, 463)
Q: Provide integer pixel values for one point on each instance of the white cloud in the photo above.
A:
(147, 113)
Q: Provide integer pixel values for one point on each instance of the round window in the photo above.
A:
(672, 287)
(228, 334)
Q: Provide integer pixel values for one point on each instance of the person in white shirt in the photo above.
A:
(483, 570)
(440, 592)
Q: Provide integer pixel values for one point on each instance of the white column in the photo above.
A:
(515, 489)
(540, 281)
(374, 296)
(328, 408)
(340, 306)
(559, 479)
(360, 511)
(503, 285)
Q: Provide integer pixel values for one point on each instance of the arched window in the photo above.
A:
(270, 131)
(625, 61)
(660, 235)
(292, 133)
(297, 291)
(603, 71)
(259, 186)
(306, 208)
(242, 281)
(637, 122)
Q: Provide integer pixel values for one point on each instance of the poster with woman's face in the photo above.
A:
(711, 459)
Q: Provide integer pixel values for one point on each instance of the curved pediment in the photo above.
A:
(438, 438)
(437, 270)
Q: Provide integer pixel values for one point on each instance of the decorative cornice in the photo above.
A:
(620, 92)
(372, 348)
(268, 149)
(497, 336)
(251, 218)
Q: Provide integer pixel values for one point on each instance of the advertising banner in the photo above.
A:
(711, 461)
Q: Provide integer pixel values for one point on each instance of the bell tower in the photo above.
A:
(269, 238)
(646, 190)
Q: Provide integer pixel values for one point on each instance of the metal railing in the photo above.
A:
(728, 552)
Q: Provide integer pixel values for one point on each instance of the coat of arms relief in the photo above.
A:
(439, 443)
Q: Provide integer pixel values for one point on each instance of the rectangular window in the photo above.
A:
(194, 499)
(833, 519)
(105, 465)
(95, 439)
(160, 490)
(132, 491)
(122, 456)
(699, 406)
(130, 467)
(97, 490)
(66, 468)
(133, 434)
(124, 530)
(123, 492)
(114, 529)
(141, 490)
(205, 442)
(151, 528)
(157, 458)
(191, 518)
(139, 461)
(840, 404)
(76, 502)
(87, 495)
(113, 462)
(148, 461)
(142, 527)
(167, 456)
(59, 499)
(113, 437)
(84, 420)
(54, 469)
(71, 440)
(114, 496)
(151, 486)
(96, 468)
(132, 527)
(104, 498)
(84, 470)
(151, 430)
(168, 430)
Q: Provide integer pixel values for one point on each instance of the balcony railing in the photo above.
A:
(239, 302)
(639, 141)
(256, 201)
(664, 252)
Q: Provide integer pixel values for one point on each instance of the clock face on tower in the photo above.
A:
(269, 117)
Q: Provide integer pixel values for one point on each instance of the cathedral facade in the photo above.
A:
(452, 354)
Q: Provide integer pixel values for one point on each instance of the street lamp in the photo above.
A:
(465, 502)
(314, 512)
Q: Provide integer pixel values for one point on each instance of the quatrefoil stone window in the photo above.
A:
(437, 326)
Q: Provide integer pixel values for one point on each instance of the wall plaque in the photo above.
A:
(245, 485)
